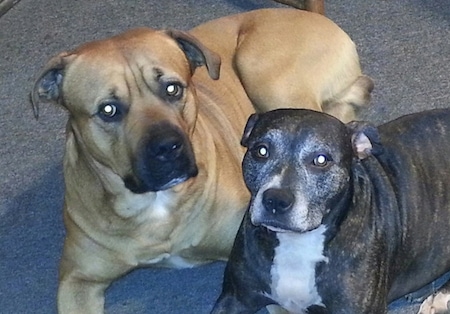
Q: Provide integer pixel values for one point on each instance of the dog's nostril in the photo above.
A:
(278, 201)
(167, 149)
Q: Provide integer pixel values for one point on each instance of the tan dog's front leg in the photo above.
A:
(86, 270)
(76, 295)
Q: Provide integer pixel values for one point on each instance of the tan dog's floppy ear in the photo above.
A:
(197, 53)
(365, 139)
(48, 84)
(249, 128)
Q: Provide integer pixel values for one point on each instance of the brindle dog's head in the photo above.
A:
(131, 103)
(297, 166)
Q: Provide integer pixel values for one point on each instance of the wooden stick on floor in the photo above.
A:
(5, 5)
(316, 6)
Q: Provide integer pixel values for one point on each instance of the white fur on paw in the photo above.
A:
(435, 304)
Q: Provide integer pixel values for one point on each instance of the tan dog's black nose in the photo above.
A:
(278, 201)
(167, 148)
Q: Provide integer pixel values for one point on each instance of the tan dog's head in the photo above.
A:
(131, 103)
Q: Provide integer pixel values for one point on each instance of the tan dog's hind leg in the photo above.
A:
(346, 105)
(313, 64)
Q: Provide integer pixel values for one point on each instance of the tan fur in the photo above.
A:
(277, 58)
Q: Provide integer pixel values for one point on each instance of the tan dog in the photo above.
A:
(152, 163)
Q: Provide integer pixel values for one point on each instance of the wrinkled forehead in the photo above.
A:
(114, 66)
(308, 132)
(145, 49)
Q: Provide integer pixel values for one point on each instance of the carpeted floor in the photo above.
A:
(404, 46)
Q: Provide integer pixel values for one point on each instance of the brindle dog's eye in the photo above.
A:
(174, 90)
(321, 160)
(261, 151)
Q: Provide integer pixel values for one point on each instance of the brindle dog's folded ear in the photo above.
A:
(249, 128)
(365, 139)
(47, 87)
(197, 53)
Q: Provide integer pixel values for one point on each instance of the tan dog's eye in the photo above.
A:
(174, 90)
(111, 111)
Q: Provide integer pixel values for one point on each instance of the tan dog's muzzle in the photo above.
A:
(164, 159)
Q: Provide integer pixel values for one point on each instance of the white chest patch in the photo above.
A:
(293, 271)
(172, 261)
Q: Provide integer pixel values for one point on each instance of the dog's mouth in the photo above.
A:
(176, 181)
(284, 229)
(139, 187)
(273, 225)
(165, 158)
(276, 229)
(280, 227)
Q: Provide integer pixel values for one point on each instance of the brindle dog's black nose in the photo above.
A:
(278, 201)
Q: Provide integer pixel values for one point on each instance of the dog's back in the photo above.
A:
(416, 150)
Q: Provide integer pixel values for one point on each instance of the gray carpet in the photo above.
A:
(404, 46)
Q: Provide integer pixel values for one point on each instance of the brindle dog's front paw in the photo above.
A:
(438, 303)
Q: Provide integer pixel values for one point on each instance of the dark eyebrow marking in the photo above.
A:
(158, 73)
(113, 92)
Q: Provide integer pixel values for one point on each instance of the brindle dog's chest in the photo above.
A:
(293, 272)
